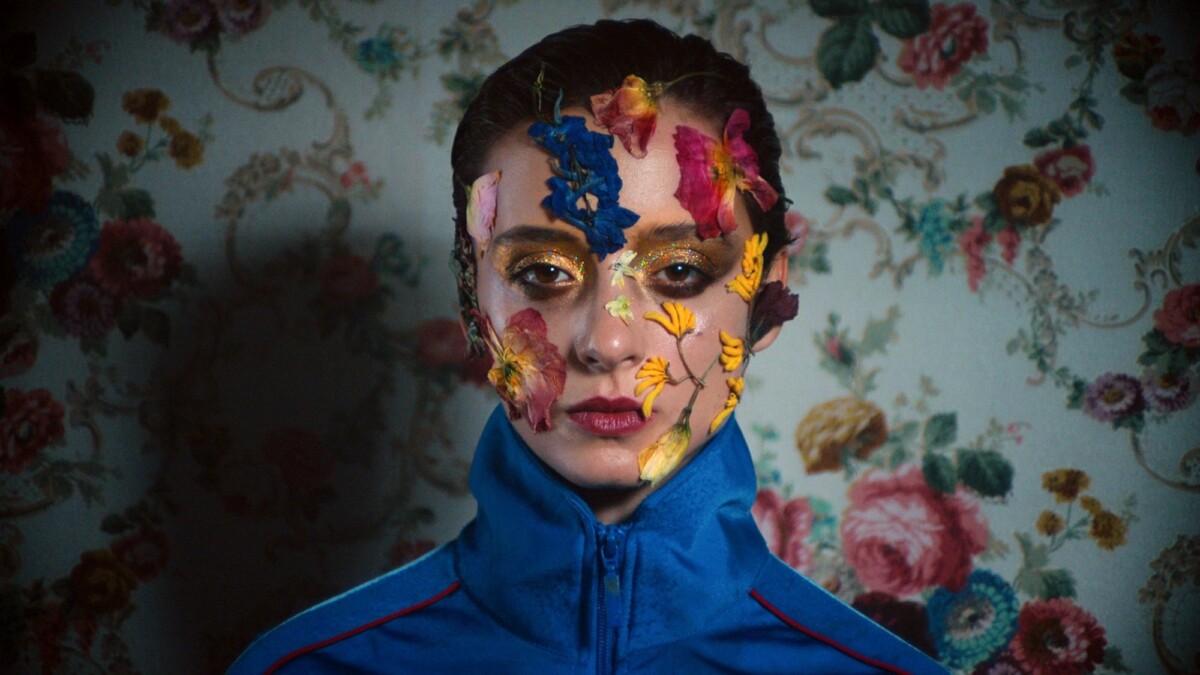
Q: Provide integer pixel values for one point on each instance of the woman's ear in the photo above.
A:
(777, 272)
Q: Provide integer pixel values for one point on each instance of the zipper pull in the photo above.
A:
(610, 554)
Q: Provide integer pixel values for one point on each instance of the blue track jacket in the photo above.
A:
(535, 584)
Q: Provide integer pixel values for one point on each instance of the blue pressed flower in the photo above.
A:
(51, 246)
(973, 624)
(377, 55)
(934, 228)
(585, 192)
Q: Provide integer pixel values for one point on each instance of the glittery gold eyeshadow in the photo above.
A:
(513, 260)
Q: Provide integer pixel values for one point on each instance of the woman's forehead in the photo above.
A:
(648, 185)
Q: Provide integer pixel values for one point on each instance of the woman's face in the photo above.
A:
(535, 260)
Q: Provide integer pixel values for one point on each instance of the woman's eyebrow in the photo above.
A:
(680, 232)
(525, 234)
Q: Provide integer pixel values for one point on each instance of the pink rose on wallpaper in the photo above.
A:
(902, 537)
(1173, 98)
(798, 228)
(972, 242)
(145, 552)
(242, 16)
(955, 35)
(785, 526)
(1071, 169)
(347, 279)
(136, 257)
(32, 420)
(33, 150)
(18, 348)
(189, 22)
(1179, 317)
(1057, 637)
(84, 309)
(1010, 243)
(442, 345)
(302, 457)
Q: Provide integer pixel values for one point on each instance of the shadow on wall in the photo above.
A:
(293, 423)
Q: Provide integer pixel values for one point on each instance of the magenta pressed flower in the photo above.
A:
(712, 172)
(528, 371)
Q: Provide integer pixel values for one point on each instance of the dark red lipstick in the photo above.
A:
(608, 416)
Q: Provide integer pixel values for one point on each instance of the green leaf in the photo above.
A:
(1037, 138)
(64, 93)
(940, 430)
(846, 51)
(1114, 660)
(837, 9)
(902, 18)
(841, 195)
(1032, 555)
(939, 473)
(878, 333)
(135, 203)
(986, 101)
(1054, 583)
(156, 326)
(986, 472)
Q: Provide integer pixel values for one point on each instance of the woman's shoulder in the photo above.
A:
(404, 591)
(802, 606)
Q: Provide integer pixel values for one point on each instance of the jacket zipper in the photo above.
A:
(611, 545)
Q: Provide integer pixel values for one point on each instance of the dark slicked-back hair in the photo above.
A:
(590, 59)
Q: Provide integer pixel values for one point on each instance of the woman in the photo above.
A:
(620, 255)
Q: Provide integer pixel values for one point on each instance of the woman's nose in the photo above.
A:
(604, 342)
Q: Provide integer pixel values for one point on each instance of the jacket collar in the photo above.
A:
(531, 559)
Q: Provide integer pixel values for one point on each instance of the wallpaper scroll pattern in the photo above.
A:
(233, 384)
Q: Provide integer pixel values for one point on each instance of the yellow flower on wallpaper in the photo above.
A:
(1065, 484)
(130, 144)
(746, 283)
(186, 149)
(733, 350)
(1108, 530)
(653, 375)
(840, 425)
(736, 386)
(1091, 504)
(1050, 523)
(678, 320)
(145, 104)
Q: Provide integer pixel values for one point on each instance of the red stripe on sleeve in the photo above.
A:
(365, 627)
(821, 638)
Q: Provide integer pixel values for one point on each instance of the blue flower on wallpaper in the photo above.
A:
(51, 246)
(378, 55)
(587, 188)
(974, 623)
(934, 228)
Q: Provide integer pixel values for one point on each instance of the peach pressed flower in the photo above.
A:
(661, 458)
(630, 112)
(711, 173)
(528, 371)
(481, 209)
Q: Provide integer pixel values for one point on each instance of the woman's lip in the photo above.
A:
(598, 423)
(605, 405)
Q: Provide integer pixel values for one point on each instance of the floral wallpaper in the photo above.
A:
(234, 383)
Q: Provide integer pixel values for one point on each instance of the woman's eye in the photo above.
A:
(543, 275)
(680, 280)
